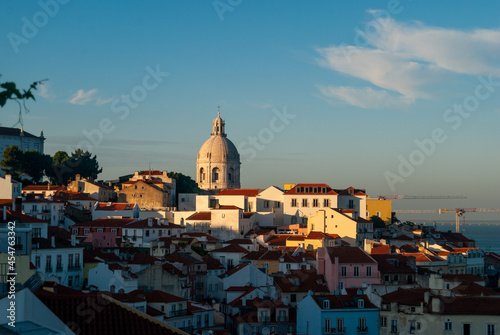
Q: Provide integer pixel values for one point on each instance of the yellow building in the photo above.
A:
(380, 208)
(24, 271)
(313, 240)
(288, 186)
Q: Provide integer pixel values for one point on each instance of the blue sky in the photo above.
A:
(363, 81)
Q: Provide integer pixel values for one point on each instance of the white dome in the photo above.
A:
(218, 149)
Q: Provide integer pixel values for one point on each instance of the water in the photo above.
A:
(485, 233)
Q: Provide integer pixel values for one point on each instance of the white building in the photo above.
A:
(45, 209)
(9, 188)
(20, 138)
(141, 233)
(104, 210)
(113, 278)
(58, 260)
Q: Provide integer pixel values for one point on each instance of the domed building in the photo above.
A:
(218, 163)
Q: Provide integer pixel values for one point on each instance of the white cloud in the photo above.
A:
(102, 101)
(81, 97)
(365, 97)
(407, 61)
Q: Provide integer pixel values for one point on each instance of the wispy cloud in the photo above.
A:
(82, 98)
(44, 90)
(407, 61)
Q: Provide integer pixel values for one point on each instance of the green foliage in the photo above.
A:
(377, 222)
(59, 169)
(10, 92)
(199, 250)
(184, 184)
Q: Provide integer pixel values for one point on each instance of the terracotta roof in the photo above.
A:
(43, 188)
(393, 263)
(234, 270)
(250, 192)
(465, 277)
(196, 235)
(200, 216)
(455, 237)
(231, 248)
(471, 288)
(173, 270)
(239, 241)
(343, 301)
(328, 189)
(153, 312)
(91, 255)
(212, 263)
(259, 232)
(45, 243)
(411, 297)
(69, 195)
(142, 258)
(114, 206)
(471, 305)
(226, 207)
(22, 218)
(151, 172)
(317, 235)
(421, 257)
(381, 249)
(351, 191)
(277, 240)
(113, 317)
(104, 222)
(349, 255)
(302, 281)
(145, 224)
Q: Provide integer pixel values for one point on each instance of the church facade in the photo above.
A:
(218, 162)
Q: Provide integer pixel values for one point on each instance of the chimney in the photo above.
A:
(73, 240)
(53, 241)
(4, 213)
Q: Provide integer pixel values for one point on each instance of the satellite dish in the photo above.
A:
(265, 331)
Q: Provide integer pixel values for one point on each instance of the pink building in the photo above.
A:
(346, 267)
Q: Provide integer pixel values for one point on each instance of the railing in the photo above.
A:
(334, 330)
(180, 312)
(363, 330)
(265, 318)
(74, 267)
(48, 268)
(59, 268)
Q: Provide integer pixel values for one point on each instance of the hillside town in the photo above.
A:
(135, 256)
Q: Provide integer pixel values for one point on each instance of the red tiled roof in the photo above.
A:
(421, 257)
(145, 224)
(22, 218)
(250, 192)
(471, 305)
(471, 288)
(349, 255)
(239, 241)
(311, 187)
(200, 216)
(381, 249)
(113, 317)
(342, 301)
(231, 248)
(196, 235)
(307, 280)
(212, 263)
(142, 258)
(114, 206)
(227, 207)
(151, 172)
(69, 195)
(43, 188)
(317, 235)
(392, 263)
(411, 297)
(104, 222)
(351, 191)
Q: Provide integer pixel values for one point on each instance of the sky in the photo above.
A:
(395, 97)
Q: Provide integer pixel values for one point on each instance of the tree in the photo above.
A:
(9, 91)
(183, 183)
(84, 164)
(377, 222)
(12, 161)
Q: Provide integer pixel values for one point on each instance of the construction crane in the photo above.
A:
(459, 212)
(398, 197)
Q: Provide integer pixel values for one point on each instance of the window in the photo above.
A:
(266, 204)
(99, 230)
(490, 329)
(86, 231)
(37, 262)
(147, 232)
(361, 324)
(343, 271)
(356, 271)
(206, 320)
(75, 231)
(48, 263)
(288, 266)
(361, 303)
(326, 202)
(315, 202)
(387, 278)
(293, 297)
(383, 321)
(304, 202)
(412, 327)
(341, 285)
(70, 281)
(113, 231)
(351, 204)
(277, 204)
(378, 214)
(327, 325)
(368, 271)
(448, 325)
(394, 326)
(326, 304)
(294, 202)
(59, 263)
(77, 260)
(412, 309)
(70, 261)
(37, 232)
(340, 324)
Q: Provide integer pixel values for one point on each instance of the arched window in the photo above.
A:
(230, 175)
(215, 174)
(202, 174)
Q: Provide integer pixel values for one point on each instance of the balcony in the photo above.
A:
(48, 268)
(362, 330)
(264, 318)
(59, 268)
(181, 312)
(334, 330)
(74, 268)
